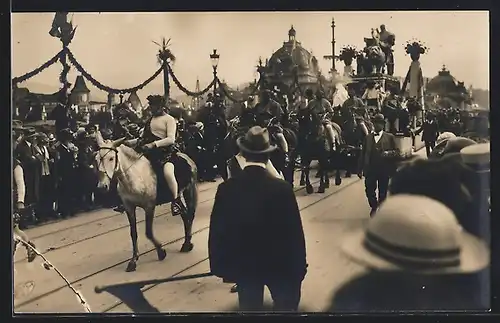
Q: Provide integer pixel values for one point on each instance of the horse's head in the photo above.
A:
(107, 161)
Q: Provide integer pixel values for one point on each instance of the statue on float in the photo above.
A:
(377, 54)
(415, 78)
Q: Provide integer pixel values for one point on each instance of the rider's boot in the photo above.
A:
(177, 206)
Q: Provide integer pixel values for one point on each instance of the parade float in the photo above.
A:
(374, 70)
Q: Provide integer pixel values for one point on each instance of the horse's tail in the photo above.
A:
(191, 190)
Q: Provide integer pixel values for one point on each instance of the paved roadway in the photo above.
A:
(93, 249)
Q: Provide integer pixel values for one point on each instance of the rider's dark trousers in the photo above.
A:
(429, 146)
(285, 294)
(374, 180)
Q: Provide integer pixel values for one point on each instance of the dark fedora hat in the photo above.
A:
(29, 132)
(378, 118)
(256, 141)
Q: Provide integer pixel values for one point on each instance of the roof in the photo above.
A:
(80, 85)
(290, 54)
(444, 83)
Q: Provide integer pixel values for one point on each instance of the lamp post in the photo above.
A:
(214, 57)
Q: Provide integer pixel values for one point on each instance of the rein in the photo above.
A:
(115, 169)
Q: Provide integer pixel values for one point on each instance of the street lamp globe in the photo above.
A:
(214, 57)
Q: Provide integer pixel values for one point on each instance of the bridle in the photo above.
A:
(100, 162)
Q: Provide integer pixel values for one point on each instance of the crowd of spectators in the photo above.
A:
(59, 173)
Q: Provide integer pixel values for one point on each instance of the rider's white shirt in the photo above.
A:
(164, 127)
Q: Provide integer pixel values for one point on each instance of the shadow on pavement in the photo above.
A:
(132, 295)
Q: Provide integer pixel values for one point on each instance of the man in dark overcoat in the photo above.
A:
(66, 165)
(376, 162)
(430, 133)
(28, 155)
(256, 237)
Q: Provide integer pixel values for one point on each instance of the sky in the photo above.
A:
(118, 49)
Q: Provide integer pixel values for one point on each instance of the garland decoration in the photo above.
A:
(38, 70)
(416, 46)
(232, 99)
(186, 91)
(108, 89)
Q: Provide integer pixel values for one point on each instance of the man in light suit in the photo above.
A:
(256, 237)
(376, 162)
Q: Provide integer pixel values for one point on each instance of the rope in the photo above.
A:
(186, 91)
(48, 265)
(108, 89)
(38, 70)
(232, 99)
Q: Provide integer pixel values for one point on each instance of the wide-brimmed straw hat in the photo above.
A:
(256, 141)
(416, 234)
(444, 137)
(478, 154)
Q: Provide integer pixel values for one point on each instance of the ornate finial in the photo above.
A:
(444, 67)
(292, 32)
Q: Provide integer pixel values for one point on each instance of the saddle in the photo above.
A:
(184, 170)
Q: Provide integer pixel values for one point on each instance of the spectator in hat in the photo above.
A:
(27, 154)
(441, 180)
(376, 162)
(66, 166)
(452, 148)
(249, 211)
(441, 142)
(476, 161)
(19, 191)
(87, 176)
(418, 258)
(47, 179)
(430, 133)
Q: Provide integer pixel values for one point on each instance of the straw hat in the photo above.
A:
(445, 136)
(424, 238)
(476, 154)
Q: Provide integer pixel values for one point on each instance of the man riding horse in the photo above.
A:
(158, 143)
(267, 109)
(319, 107)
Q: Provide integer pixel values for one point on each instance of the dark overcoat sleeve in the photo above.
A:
(361, 160)
(291, 238)
(217, 241)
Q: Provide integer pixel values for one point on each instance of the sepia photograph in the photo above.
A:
(303, 162)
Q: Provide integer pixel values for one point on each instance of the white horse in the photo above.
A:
(137, 187)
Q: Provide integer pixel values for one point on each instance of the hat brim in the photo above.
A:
(474, 256)
(242, 146)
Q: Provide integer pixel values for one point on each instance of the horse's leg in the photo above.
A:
(149, 215)
(322, 171)
(132, 220)
(303, 167)
(306, 170)
(191, 197)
